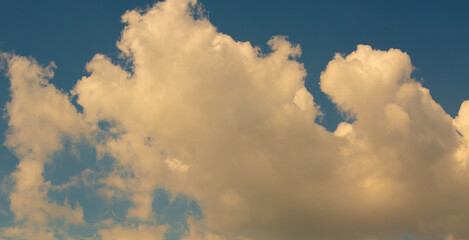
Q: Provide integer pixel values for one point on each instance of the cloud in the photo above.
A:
(198, 232)
(133, 232)
(400, 150)
(176, 165)
(461, 122)
(234, 128)
(39, 116)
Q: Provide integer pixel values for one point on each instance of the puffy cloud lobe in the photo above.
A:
(38, 113)
(363, 75)
(39, 117)
(234, 128)
(400, 148)
(461, 122)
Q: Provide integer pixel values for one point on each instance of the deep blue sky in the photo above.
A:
(434, 33)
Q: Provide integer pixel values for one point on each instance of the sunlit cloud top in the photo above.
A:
(190, 134)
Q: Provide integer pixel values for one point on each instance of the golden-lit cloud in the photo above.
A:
(234, 128)
(38, 117)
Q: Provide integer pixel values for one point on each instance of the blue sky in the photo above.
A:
(433, 34)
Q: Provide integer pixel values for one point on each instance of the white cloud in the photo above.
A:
(176, 165)
(461, 122)
(39, 117)
(233, 128)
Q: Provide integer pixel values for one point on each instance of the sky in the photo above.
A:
(216, 120)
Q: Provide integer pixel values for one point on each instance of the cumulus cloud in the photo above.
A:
(234, 128)
(39, 116)
(400, 149)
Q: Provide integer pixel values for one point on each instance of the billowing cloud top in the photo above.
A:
(200, 114)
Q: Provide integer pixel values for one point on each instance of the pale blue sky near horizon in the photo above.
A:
(435, 34)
